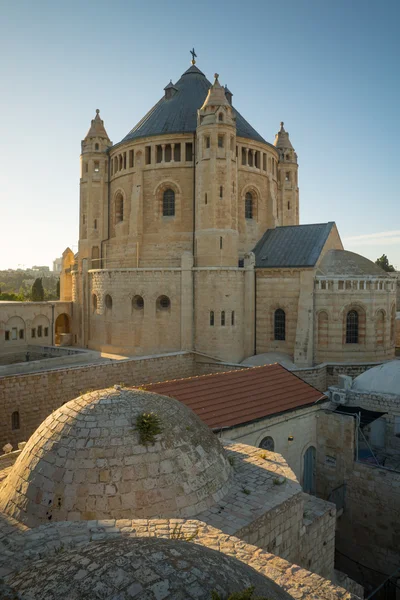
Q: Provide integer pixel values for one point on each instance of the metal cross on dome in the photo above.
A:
(194, 55)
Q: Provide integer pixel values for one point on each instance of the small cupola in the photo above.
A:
(228, 95)
(283, 144)
(170, 90)
(97, 136)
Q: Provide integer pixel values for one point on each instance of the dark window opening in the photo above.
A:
(352, 327)
(15, 420)
(95, 224)
(205, 198)
(221, 191)
(124, 160)
(264, 162)
(211, 318)
(169, 203)
(248, 206)
(148, 155)
(21, 334)
(244, 156)
(233, 317)
(158, 154)
(7, 336)
(250, 158)
(177, 153)
(189, 151)
(257, 159)
(33, 332)
(39, 331)
(163, 303)
(279, 325)
(138, 303)
(207, 141)
(46, 332)
(220, 243)
(119, 209)
(267, 443)
(168, 153)
(220, 141)
(108, 302)
(220, 117)
(222, 318)
(131, 159)
(96, 147)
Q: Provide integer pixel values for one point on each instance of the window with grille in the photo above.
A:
(169, 203)
(248, 206)
(279, 325)
(352, 327)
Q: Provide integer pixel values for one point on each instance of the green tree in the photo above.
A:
(37, 290)
(383, 263)
(58, 289)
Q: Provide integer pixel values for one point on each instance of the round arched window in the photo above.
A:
(108, 301)
(163, 302)
(267, 443)
(138, 302)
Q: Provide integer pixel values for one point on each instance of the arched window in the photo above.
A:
(119, 208)
(163, 303)
(169, 203)
(108, 302)
(220, 117)
(15, 420)
(222, 317)
(96, 147)
(267, 443)
(138, 303)
(279, 324)
(352, 327)
(211, 318)
(248, 206)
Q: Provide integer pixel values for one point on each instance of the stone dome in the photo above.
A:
(269, 358)
(383, 379)
(86, 461)
(344, 263)
(140, 568)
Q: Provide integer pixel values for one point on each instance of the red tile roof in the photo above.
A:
(240, 396)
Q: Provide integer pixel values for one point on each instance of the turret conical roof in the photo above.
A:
(97, 128)
(282, 139)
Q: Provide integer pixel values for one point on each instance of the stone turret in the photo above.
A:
(216, 182)
(288, 190)
(93, 184)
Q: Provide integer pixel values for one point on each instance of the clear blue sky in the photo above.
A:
(328, 68)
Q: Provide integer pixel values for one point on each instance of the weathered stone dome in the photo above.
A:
(347, 264)
(141, 568)
(87, 461)
(383, 379)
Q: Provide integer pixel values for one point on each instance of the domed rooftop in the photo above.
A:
(178, 112)
(269, 358)
(140, 568)
(345, 263)
(383, 379)
(87, 461)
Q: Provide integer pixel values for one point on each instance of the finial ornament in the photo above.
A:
(194, 55)
(216, 76)
(97, 111)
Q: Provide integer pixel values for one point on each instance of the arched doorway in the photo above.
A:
(309, 470)
(62, 330)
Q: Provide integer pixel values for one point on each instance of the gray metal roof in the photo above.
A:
(178, 114)
(292, 246)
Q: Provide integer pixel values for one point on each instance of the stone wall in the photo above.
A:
(369, 529)
(36, 395)
(317, 548)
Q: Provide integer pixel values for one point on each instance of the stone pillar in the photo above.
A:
(187, 316)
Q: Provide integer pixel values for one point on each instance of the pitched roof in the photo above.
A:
(178, 114)
(237, 397)
(292, 246)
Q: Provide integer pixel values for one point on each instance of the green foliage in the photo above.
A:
(383, 263)
(58, 289)
(148, 425)
(247, 594)
(17, 284)
(37, 290)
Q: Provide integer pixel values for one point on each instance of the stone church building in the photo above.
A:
(190, 240)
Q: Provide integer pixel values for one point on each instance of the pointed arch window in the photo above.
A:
(169, 203)
(248, 206)
(280, 325)
(119, 208)
(352, 327)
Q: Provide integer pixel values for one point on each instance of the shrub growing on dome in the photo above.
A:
(148, 425)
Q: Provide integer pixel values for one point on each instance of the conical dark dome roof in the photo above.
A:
(178, 114)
